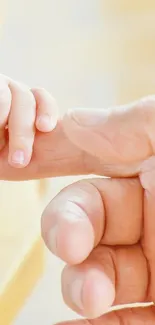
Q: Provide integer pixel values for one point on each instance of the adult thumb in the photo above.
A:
(118, 138)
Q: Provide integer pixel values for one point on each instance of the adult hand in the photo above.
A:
(107, 142)
(104, 228)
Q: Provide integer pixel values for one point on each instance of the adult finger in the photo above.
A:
(121, 138)
(116, 146)
(110, 276)
(92, 211)
(53, 155)
(130, 316)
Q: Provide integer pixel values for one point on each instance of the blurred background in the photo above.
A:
(93, 53)
(59, 45)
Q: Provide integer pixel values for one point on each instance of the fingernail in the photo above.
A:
(88, 117)
(18, 157)
(52, 239)
(46, 123)
(76, 288)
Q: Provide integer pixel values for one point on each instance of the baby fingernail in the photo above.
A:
(46, 123)
(18, 157)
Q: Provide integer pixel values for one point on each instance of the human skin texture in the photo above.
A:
(102, 228)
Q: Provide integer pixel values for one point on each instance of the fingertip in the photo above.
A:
(18, 159)
(46, 123)
(76, 243)
(47, 110)
(98, 294)
(87, 291)
(72, 242)
(72, 224)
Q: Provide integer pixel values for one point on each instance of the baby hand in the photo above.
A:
(22, 112)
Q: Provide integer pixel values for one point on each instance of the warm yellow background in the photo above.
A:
(90, 53)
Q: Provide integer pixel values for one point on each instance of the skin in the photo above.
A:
(23, 111)
(102, 228)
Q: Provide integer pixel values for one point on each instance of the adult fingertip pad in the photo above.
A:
(91, 292)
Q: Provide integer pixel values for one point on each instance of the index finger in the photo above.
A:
(53, 155)
(120, 138)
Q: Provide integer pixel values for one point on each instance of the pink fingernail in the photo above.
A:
(18, 157)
